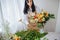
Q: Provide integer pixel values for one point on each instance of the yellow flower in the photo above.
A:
(43, 19)
(41, 15)
(32, 21)
(40, 20)
(42, 12)
(36, 20)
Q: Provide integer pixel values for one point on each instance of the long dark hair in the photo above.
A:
(27, 7)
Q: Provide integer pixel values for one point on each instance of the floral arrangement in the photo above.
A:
(38, 20)
(41, 18)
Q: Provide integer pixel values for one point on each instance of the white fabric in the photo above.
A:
(12, 11)
(52, 36)
(1, 20)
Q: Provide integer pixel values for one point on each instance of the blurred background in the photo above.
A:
(12, 10)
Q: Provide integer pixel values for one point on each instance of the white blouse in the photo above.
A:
(25, 20)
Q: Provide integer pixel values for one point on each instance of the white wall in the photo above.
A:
(52, 7)
(58, 19)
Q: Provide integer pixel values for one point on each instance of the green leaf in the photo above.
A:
(30, 35)
(39, 25)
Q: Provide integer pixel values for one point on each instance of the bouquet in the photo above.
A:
(40, 18)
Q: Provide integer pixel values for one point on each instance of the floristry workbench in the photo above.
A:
(36, 22)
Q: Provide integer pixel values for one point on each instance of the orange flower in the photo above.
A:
(35, 17)
(40, 20)
(16, 37)
(39, 16)
(46, 14)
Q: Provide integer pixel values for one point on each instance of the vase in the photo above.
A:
(41, 30)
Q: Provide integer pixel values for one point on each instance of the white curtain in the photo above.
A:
(11, 12)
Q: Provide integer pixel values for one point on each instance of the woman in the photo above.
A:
(29, 6)
(29, 10)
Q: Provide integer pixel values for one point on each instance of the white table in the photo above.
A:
(52, 36)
